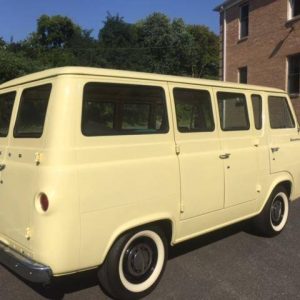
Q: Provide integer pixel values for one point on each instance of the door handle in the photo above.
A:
(275, 149)
(225, 156)
(2, 167)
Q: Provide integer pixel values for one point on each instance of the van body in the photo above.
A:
(89, 155)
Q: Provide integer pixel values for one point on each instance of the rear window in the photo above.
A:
(32, 112)
(122, 109)
(280, 113)
(6, 106)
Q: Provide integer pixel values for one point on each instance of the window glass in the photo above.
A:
(294, 74)
(233, 111)
(257, 110)
(6, 106)
(243, 75)
(120, 109)
(193, 110)
(32, 112)
(280, 113)
(244, 20)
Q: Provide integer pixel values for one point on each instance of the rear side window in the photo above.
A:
(193, 110)
(280, 113)
(257, 111)
(122, 109)
(32, 112)
(233, 111)
(6, 106)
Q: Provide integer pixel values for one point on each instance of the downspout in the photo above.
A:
(224, 45)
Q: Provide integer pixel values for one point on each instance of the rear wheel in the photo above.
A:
(135, 264)
(273, 218)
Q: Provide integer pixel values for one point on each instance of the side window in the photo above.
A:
(257, 111)
(120, 109)
(193, 110)
(32, 112)
(280, 113)
(6, 106)
(233, 111)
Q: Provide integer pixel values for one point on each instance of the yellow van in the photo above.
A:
(104, 169)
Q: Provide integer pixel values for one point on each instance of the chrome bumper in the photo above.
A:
(23, 266)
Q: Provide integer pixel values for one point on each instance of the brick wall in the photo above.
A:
(271, 40)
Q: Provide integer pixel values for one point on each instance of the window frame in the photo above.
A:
(248, 128)
(124, 133)
(30, 135)
(11, 114)
(261, 111)
(242, 20)
(291, 10)
(289, 111)
(240, 70)
(211, 109)
(289, 75)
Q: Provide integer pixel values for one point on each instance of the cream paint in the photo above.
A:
(100, 187)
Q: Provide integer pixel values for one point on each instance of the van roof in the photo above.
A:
(128, 74)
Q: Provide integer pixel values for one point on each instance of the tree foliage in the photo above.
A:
(154, 44)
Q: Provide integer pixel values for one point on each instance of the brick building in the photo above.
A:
(260, 44)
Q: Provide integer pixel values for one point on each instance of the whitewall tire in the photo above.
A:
(273, 218)
(134, 264)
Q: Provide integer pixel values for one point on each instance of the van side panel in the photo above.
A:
(124, 181)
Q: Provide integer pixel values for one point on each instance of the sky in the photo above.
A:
(18, 17)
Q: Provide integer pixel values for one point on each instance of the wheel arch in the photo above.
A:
(166, 224)
(282, 179)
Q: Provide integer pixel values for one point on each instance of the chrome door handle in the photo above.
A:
(275, 149)
(225, 156)
(2, 167)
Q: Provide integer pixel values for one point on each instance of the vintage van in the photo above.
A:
(105, 169)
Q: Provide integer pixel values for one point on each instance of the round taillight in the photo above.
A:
(44, 202)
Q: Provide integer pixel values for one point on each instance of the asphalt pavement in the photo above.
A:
(228, 264)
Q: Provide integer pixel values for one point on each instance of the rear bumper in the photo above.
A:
(23, 266)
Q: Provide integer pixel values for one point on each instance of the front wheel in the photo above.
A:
(135, 264)
(273, 218)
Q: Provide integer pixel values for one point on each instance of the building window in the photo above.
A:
(243, 75)
(294, 8)
(294, 75)
(244, 21)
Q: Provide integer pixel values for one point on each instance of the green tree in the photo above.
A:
(117, 42)
(12, 65)
(2, 43)
(154, 44)
(56, 31)
(205, 56)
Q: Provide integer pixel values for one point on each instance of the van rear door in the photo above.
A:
(19, 175)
